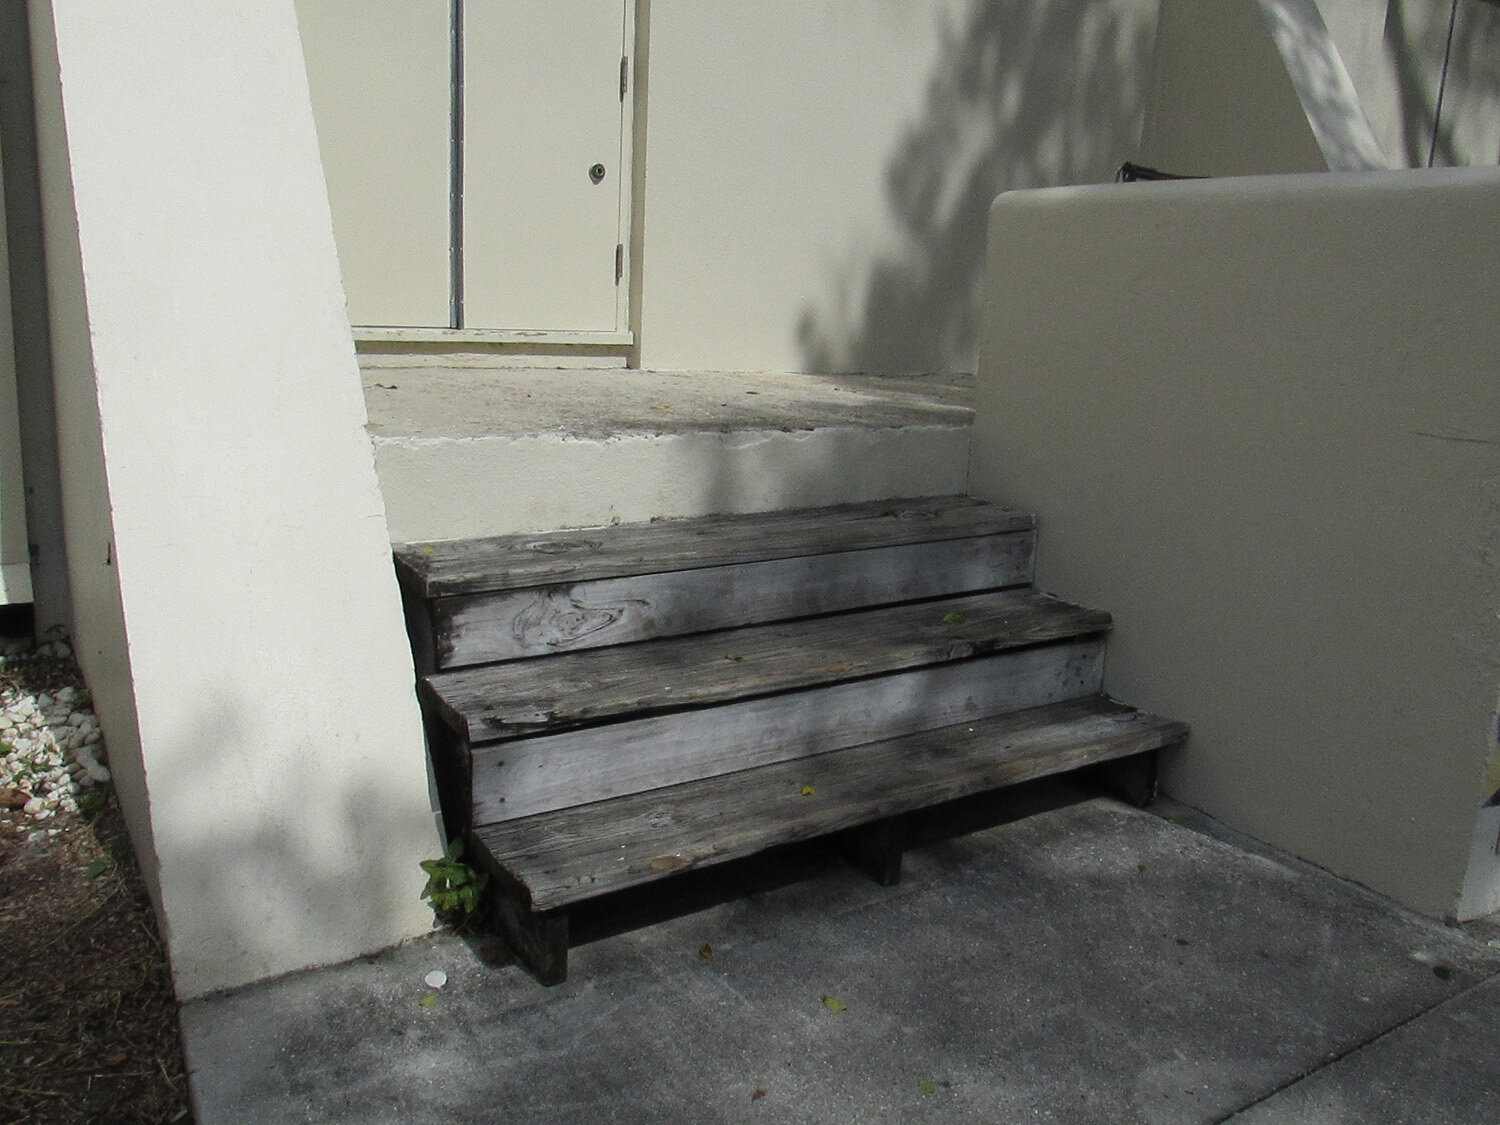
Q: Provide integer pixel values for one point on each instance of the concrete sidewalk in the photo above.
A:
(1078, 961)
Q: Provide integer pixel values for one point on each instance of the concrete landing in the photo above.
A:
(1086, 963)
(467, 451)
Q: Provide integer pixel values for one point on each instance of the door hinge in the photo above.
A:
(619, 261)
(624, 75)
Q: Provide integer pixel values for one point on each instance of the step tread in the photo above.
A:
(469, 566)
(524, 697)
(568, 855)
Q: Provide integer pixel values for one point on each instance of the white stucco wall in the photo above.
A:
(15, 567)
(1259, 421)
(234, 604)
(817, 172)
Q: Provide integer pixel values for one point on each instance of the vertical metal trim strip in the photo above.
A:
(456, 167)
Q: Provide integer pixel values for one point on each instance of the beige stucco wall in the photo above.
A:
(817, 172)
(234, 604)
(379, 78)
(15, 569)
(811, 176)
(1259, 421)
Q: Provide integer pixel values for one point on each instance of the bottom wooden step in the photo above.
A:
(546, 862)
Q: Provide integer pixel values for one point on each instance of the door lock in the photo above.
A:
(596, 173)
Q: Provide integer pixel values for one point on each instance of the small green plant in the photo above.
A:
(453, 886)
(91, 802)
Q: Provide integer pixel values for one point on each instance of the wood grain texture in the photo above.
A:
(528, 776)
(509, 561)
(546, 620)
(523, 697)
(573, 854)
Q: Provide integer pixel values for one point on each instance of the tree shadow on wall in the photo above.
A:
(1024, 94)
(1415, 41)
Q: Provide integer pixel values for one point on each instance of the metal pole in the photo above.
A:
(456, 169)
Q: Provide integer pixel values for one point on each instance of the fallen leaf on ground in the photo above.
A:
(668, 863)
(707, 952)
(808, 790)
(954, 619)
(834, 1004)
(926, 1086)
(429, 1000)
(755, 1097)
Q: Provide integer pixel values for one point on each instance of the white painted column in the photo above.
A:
(235, 607)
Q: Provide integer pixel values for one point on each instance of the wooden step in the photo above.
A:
(518, 596)
(525, 697)
(472, 566)
(526, 776)
(547, 862)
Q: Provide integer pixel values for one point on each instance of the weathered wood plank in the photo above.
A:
(523, 697)
(573, 854)
(509, 561)
(528, 776)
(452, 772)
(551, 619)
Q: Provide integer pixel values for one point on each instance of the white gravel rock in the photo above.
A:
(50, 744)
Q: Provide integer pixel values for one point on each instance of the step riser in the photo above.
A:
(516, 779)
(535, 622)
(525, 697)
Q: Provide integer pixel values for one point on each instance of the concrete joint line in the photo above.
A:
(1360, 1046)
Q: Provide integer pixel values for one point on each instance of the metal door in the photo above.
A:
(545, 172)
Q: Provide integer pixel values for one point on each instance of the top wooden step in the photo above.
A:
(506, 562)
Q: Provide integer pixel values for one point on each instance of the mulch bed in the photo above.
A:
(88, 1019)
